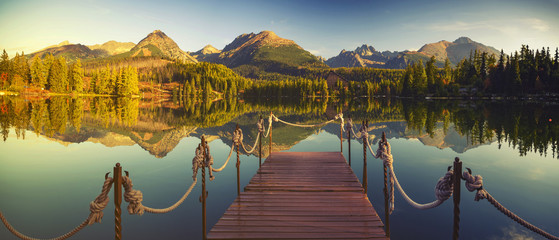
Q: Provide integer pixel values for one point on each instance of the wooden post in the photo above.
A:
(117, 184)
(386, 204)
(238, 166)
(270, 150)
(349, 142)
(341, 137)
(456, 196)
(364, 162)
(204, 192)
(260, 147)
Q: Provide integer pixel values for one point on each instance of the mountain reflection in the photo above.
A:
(159, 126)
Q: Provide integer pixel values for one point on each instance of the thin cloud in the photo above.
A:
(314, 52)
(507, 27)
(537, 24)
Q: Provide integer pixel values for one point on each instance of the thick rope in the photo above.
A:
(96, 214)
(349, 125)
(253, 146)
(226, 161)
(443, 189)
(476, 183)
(261, 127)
(340, 115)
(134, 198)
(270, 119)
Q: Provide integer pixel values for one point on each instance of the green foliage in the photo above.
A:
(58, 76)
(286, 54)
(112, 81)
(76, 77)
(288, 88)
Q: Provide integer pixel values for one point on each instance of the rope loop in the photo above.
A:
(260, 126)
(96, 206)
(364, 135)
(340, 116)
(349, 125)
(209, 162)
(197, 161)
(96, 214)
(237, 136)
(444, 187)
(384, 153)
(475, 183)
(133, 197)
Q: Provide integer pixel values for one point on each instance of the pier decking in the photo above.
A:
(301, 195)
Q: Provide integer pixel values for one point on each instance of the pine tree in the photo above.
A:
(447, 71)
(48, 61)
(76, 77)
(431, 72)
(37, 73)
(420, 78)
(408, 81)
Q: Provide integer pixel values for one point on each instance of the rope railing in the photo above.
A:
(96, 208)
(338, 116)
(134, 198)
(475, 183)
(444, 188)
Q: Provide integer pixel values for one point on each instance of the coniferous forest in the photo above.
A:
(518, 74)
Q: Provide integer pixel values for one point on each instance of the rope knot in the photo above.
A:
(349, 124)
(260, 126)
(340, 116)
(384, 153)
(209, 162)
(197, 161)
(133, 197)
(97, 206)
(475, 183)
(237, 136)
(445, 187)
(364, 134)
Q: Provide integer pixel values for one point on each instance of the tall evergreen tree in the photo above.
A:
(431, 72)
(76, 77)
(447, 71)
(420, 78)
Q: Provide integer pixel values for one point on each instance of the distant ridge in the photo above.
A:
(69, 51)
(113, 47)
(158, 43)
(207, 54)
(367, 56)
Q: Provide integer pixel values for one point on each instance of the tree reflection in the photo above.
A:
(528, 127)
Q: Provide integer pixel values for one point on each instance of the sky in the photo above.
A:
(322, 27)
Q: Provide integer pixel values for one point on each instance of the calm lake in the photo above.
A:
(55, 153)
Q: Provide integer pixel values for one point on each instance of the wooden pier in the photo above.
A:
(301, 195)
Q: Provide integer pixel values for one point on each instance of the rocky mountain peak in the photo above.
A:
(462, 40)
(365, 50)
(165, 44)
(209, 49)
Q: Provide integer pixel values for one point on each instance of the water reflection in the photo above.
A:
(69, 175)
(159, 126)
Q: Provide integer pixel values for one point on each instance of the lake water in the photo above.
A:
(56, 152)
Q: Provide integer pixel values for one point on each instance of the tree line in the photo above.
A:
(526, 72)
(50, 73)
(54, 74)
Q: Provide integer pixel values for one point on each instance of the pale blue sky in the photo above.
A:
(322, 27)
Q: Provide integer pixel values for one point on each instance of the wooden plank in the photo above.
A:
(301, 196)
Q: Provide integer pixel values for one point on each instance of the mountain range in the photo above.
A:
(367, 56)
(266, 50)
